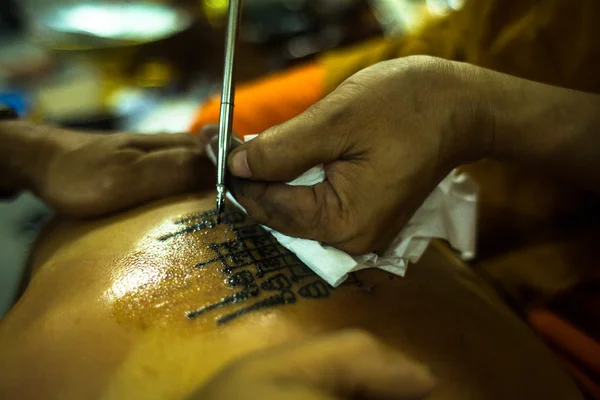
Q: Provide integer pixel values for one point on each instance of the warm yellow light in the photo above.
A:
(444, 7)
(215, 9)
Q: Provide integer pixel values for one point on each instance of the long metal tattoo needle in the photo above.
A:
(227, 98)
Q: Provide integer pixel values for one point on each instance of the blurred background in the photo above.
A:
(148, 65)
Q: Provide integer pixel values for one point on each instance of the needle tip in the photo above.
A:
(220, 201)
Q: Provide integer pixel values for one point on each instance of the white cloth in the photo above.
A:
(450, 213)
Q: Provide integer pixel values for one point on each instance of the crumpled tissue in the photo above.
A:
(449, 213)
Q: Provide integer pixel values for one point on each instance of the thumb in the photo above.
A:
(349, 364)
(286, 151)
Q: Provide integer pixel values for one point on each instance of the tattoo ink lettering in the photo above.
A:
(250, 291)
(278, 282)
(243, 278)
(263, 271)
(286, 297)
(314, 290)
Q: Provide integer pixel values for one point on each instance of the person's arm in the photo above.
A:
(23, 154)
(86, 174)
(547, 128)
(324, 368)
(393, 131)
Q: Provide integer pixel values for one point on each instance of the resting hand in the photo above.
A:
(93, 174)
(347, 365)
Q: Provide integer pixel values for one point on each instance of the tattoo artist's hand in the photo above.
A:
(347, 365)
(92, 174)
(386, 137)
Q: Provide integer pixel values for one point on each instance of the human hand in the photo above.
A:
(94, 174)
(346, 365)
(386, 137)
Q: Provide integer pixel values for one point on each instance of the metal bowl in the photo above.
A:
(92, 25)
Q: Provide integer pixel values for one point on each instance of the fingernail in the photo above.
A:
(239, 165)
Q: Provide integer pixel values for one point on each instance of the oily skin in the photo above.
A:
(114, 325)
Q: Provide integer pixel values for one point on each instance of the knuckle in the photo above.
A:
(353, 87)
(256, 203)
(318, 217)
(424, 60)
(335, 120)
(108, 183)
(320, 111)
(185, 139)
(119, 140)
(125, 159)
(414, 63)
(428, 71)
(336, 108)
(258, 215)
(314, 214)
(258, 153)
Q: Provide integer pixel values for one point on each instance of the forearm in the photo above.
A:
(24, 152)
(551, 129)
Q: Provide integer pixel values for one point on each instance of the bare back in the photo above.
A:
(149, 303)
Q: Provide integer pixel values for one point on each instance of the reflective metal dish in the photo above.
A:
(103, 24)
